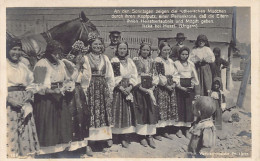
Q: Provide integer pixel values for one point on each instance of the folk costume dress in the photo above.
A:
(146, 109)
(123, 109)
(198, 56)
(53, 117)
(166, 100)
(76, 100)
(99, 96)
(188, 78)
(22, 138)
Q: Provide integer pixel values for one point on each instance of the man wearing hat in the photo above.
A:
(115, 38)
(175, 49)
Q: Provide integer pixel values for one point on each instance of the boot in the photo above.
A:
(89, 151)
(151, 142)
(143, 141)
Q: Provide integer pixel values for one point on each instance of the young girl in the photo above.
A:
(145, 103)
(203, 132)
(202, 56)
(52, 117)
(220, 102)
(165, 91)
(185, 91)
(125, 80)
(99, 92)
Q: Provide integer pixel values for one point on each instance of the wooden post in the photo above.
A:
(228, 68)
(242, 90)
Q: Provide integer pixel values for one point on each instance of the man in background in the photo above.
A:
(115, 38)
(175, 49)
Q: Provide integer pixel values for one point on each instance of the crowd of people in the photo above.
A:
(96, 94)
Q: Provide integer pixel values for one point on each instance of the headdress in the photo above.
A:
(92, 36)
(79, 46)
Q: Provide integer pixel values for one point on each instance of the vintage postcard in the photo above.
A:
(130, 80)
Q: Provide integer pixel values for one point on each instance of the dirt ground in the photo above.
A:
(234, 140)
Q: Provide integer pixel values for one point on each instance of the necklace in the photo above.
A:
(123, 62)
(96, 59)
(146, 63)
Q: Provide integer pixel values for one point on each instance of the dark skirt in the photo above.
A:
(145, 111)
(184, 102)
(99, 102)
(217, 116)
(53, 119)
(167, 104)
(205, 79)
(123, 110)
(76, 102)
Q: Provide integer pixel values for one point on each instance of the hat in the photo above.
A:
(116, 32)
(180, 36)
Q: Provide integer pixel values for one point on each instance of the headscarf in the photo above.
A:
(10, 43)
(181, 50)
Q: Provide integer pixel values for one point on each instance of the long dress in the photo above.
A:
(99, 97)
(77, 101)
(123, 109)
(52, 116)
(22, 138)
(146, 109)
(198, 56)
(188, 76)
(166, 100)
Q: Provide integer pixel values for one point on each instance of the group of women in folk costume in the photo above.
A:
(85, 97)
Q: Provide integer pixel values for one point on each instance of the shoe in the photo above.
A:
(158, 137)
(125, 144)
(166, 135)
(144, 142)
(179, 134)
(151, 142)
(89, 151)
(109, 143)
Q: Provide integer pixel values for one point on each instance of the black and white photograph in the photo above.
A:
(91, 82)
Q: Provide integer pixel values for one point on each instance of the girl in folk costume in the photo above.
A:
(52, 115)
(125, 79)
(99, 92)
(79, 71)
(145, 102)
(220, 101)
(202, 56)
(22, 139)
(203, 131)
(165, 91)
(185, 91)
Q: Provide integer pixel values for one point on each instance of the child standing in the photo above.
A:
(220, 101)
(203, 132)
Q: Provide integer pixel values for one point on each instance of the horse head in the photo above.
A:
(70, 31)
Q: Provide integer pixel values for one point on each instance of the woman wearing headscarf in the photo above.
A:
(201, 55)
(145, 102)
(185, 91)
(52, 115)
(22, 138)
(125, 80)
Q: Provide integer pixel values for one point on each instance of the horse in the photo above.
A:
(67, 33)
